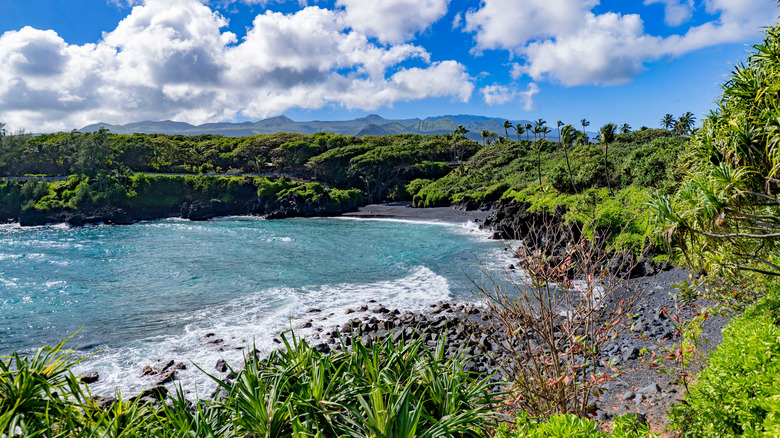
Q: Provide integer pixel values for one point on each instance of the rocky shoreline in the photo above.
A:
(640, 389)
(270, 208)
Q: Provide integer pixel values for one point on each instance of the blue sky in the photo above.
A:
(69, 64)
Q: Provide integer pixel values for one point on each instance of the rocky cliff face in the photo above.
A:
(549, 232)
(269, 207)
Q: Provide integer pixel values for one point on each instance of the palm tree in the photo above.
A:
(686, 122)
(585, 123)
(544, 131)
(461, 131)
(520, 130)
(560, 123)
(607, 136)
(492, 136)
(528, 128)
(568, 135)
(484, 134)
(668, 122)
(507, 125)
(625, 129)
(538, 125)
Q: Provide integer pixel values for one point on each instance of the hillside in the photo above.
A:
(369, 125)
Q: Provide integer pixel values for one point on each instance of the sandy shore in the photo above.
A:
(405, 211)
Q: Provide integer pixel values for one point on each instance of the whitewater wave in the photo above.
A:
(253, 322)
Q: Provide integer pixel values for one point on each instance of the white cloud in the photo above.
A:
(172, 59)
(499, 95)
(509, 24)
(563, 41)
(528, 96)
(676, 12)
(392, 21)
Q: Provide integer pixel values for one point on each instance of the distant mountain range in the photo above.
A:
(369, 125)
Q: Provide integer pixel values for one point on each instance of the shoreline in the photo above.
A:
(403, 211)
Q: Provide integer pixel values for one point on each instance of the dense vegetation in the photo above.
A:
(713, 199)
(391, 389)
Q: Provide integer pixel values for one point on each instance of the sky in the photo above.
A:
(67, 64)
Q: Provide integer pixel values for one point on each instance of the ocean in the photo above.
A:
(151, 291)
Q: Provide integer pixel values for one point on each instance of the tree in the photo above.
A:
(507, 125)
(528, 129)
(685, 124)
(607, 136)
(538, 125)
(520, 130)
(484, 134)
(568, 135)
(461, 131)
(585, 123)
(560, 123)
(668, 122)
(2, 130)
(726, 216)
(625, 128)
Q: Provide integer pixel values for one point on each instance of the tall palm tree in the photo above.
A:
(461, 131)
(625, 128)
(687, 122)
(484, 134)
(668, 122)
(507, 125)
(520, 130)
(585, 123)
(568, 135)
(560, 123)
(607, 136)
(538, 125)
(528, 128)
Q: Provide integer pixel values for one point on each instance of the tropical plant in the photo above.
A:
(625, 128)
(528, 129)
(559, 124)
(484, 134)
(507, 125)
(585, 123)
(568, 135)
(607, 136)
(668, 122)
(461, 131)
(520, 129)
(726, 216)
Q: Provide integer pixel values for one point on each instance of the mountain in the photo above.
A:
(370, 125)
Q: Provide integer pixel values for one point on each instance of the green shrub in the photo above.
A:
(390, 389)
(571, 426)
(738, 394)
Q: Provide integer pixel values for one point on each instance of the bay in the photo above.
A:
(151, 291)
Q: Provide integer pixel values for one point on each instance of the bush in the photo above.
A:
(390, 389)
(738, 394)
(568, 425)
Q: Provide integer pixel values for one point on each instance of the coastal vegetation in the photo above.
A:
(708, 196)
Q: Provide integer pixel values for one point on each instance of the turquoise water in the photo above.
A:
(150, 291)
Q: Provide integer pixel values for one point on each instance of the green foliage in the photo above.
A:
(726, 215)
(569, 425)
(738, 393)
(390, 389)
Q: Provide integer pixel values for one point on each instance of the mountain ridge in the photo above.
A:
(371, 124)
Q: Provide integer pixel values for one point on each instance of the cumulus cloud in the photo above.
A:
(497, 94)
(174, 59)
(392, 21)
(564, 41)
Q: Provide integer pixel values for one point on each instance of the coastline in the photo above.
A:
(404, 211)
